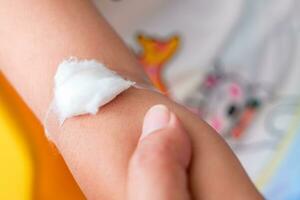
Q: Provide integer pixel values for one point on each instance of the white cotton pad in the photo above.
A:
(83, 86)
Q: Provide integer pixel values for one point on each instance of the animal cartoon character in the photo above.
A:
(226, 102)
(154, 56)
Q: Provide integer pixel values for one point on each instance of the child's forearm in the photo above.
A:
(36, 35)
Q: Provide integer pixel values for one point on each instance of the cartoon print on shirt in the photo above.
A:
(230, 105)
(226, 102)
(154, 56)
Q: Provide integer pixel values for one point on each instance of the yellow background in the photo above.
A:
(30, 166)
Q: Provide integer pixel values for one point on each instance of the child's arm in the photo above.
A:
(37, 34)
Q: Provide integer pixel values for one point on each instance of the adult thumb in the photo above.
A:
(158, 167)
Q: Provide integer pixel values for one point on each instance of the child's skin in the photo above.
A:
(35, 35)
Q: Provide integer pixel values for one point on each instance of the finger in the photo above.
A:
(157, 169)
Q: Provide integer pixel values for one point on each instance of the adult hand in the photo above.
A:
(158, 167)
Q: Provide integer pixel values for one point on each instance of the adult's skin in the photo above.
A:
(35, 35)
(158, 167)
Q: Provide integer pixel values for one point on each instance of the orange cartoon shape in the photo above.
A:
(154, 55)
